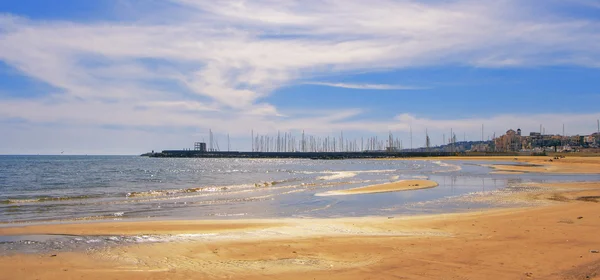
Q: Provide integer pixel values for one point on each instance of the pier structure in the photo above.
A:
(289, 145)
(303, 145)
(306, 155)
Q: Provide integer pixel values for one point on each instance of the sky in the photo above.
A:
(130, 76)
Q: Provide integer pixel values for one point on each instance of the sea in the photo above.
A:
(64, 189)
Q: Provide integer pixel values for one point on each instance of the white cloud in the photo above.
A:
(366, 86)
(216, 61)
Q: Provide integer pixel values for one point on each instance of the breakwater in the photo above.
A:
(310, 155)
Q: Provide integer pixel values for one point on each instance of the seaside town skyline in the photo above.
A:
(510, 141)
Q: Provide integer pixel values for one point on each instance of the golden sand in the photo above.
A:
(404, 185)
(133, 228)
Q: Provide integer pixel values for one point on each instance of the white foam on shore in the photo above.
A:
(451, 167)
(423, 177)
(337, 175)
(377, 171)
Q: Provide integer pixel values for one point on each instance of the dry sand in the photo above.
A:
(549, 242)
(404, 185)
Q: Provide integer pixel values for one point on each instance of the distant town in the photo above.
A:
(515, 141)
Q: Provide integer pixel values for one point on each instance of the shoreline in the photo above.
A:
(546, 242)
(553, 238)
(552, 241)
(187, 226)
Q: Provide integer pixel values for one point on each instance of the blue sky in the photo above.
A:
(125, 77)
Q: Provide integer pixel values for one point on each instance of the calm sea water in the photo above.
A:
(66, 188)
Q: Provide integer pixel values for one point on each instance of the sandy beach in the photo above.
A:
(404, 185)
(555, 241)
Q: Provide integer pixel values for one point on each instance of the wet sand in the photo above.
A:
(531, 164)
(404, 185)
(137, 228)
(553, 241)
(568, 165)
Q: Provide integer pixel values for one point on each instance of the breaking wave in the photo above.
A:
(337, 175)
(450, 167)
(45, 199)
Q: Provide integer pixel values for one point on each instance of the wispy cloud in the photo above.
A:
(212, 63)
(366, 86)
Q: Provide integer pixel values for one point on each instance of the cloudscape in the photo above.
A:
(130, 76)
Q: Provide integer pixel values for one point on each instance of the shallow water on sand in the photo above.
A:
(66, 188)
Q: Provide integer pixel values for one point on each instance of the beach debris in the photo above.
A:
(579, 218)
(594, 251)
(529, 274)
(589, 198)
(53, 255)
(566, 221)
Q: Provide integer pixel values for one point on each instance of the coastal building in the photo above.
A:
(509, 142)
(200, 146)
(482, 147)
(514, 141)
